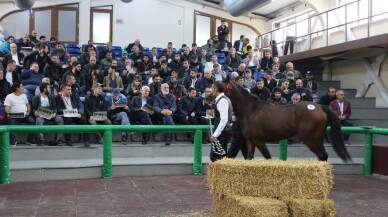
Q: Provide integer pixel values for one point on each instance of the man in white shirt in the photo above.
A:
(222, 121)
(16, 103)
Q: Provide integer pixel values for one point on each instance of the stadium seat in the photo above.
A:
(74, 46)
(160, 50)
(73, 51)
(116, 48)
(100, 47)
(84, 46)
(257, 75)
(146, 49)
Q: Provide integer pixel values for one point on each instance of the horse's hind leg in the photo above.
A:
(263, 149)
(316, 146)
(251, 150)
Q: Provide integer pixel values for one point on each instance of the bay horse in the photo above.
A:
(264, 122)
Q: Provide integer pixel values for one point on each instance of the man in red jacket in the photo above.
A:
(343, 109)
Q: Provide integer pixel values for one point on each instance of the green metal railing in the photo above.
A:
(107, 131)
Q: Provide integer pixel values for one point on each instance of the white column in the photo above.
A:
(84, 21)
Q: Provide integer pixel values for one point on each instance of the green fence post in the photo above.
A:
(5, 172)
(368, 154)
(283, 149)
(197, 165)
(107, 155)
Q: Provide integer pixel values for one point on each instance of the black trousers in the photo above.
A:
(238, 142)
(81, 121)
(223, 139)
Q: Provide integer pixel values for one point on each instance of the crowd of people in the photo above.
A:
(170, 87)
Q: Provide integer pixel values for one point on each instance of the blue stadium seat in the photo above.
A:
(257, 75)
(220, 55)
(118, 53)
(84, 46)
(16, 40)
(73, 51)
(175, 50)
(100, 47)
(76, 55)
(75, 46)
(146, 49)
(160, 49)
(116, 48)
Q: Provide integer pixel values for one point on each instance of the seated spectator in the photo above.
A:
(24, 41)
(4, 48)
(95, 102)
(33, 38)
(68, 101)
(206, 81)
(107, 61)
(219, 74)
(69, 64)
(46, 80)
(155, 85)
(145, 66)
(276, 97)
(108, 48)
(204, 57)
(45, 100)
(93, 77)
(10, 72)
(202, 104)
(186, 111)
(295, 99)
(61, 53)
(260, 90)
(134, 89)
(252, 62)
(328, 97)
(241, 69)
(128, 72)
(209, 47)
(225, 46)
(195, 50)
(16, 102)
(343, 109)
(118, 113)
(290, 68)
(40, 56)
(216, 43)
(169, 57)
(266, 62)
(85, 56)
(53, 71)
(131, 46)
(310, 84)
(142, 116)
(16, 56)
(165, 105)
(164, 71)
(121, 61)
(178, 90)
(246, 48)
(184, 72)
(269, 82)
(186, 55)
(76, 73)
(277, 64)
(5, 87)
(192, 80)
(75, 88)
(248, 80)
(291, 79)
(195, 64)
(304, 93)
(285, 84)
(240, 81)
(112, 81)
(177, 63)
(43, 40)
(136, 56)
(232, 61)
(31, 79)
(154, 56)
(213, 60)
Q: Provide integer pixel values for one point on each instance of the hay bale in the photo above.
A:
(310, 207)
(304, 179)
(232, 205)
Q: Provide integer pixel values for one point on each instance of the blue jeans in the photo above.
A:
(167, 120)
(57, 120)
(29, 120)
(121, 117)
(30, 89)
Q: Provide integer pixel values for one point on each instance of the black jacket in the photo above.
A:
(186, 106)
(5, 89)
(75, 104)
(36, 103)
(135, 104)
(94, 104)
(263, 94)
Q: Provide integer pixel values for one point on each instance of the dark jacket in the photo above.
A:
(186, 106)
(263, 94)
(187, 83)
(204, 83)
(36, 103)
(136, 103)
(8, 57)
(94, 104)
(326, 99)
(75, 104)
(54, 72)
(271, 84)
(79, 78)
(168, 102)
(307, 97)
(266, 64)
(130, 46)
(199, 66)
(201, 106)
(5, 89)
(31, 78)
(35, 57)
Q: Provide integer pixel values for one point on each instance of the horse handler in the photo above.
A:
(222, 121)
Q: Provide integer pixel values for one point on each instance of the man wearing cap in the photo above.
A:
(96, 103)
(222, 31)
(165, 105)
(67, 100)
(118, 113)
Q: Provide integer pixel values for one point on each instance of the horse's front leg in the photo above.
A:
(251, 150)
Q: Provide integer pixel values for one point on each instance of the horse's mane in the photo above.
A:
(237, 89)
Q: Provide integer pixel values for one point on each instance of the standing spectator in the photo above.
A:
(67, 100)
(290, 38)
(165, 105)
(47, 101)
(343, 109)
(222, 31)
(16, 102)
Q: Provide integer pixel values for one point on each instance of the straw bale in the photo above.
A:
(232, 205)
(310, 207)
(308, 179)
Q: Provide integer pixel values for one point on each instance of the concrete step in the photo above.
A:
(324, 85)
(349, 93)
(363, 103)
(370, 114)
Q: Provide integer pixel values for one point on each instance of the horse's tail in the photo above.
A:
(336, 134)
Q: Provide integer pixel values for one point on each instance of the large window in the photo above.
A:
(101, 24)
(59, 21)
